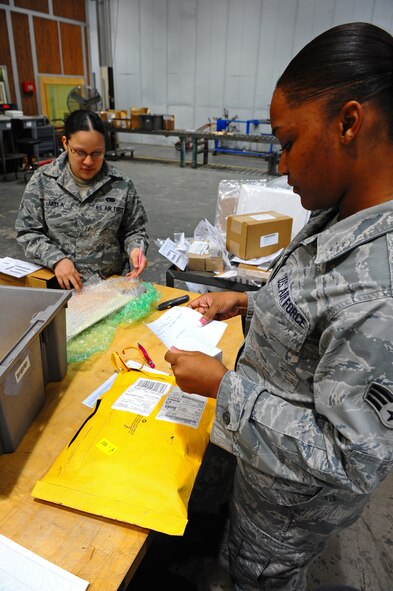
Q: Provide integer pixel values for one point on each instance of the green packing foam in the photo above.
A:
(99, 336)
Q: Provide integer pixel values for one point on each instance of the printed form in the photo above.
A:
(179, 407)
(180, 327)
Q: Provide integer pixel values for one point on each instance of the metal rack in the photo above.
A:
(231, 126)
(210, 279)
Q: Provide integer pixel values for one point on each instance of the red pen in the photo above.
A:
(146, 356)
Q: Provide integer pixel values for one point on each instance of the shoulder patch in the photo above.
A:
(380, 399)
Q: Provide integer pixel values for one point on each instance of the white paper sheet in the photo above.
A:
(22, 570)
(94, 396)
(182, 408)
(142, 396)
(180, 327)
(173, 254)
(17, 268)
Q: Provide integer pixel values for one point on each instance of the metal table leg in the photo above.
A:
(194, 152)
(205, 152)
(183, 152)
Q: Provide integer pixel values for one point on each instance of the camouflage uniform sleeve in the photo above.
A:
(346, 439)
(250, 311)
(31, 227)
(133, 227)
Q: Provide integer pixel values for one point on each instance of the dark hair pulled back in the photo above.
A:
(82, 120)
(353, 61)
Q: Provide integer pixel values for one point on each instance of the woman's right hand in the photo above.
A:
(220, 305)
(67, 275)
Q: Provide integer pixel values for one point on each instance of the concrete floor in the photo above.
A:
(176, 200)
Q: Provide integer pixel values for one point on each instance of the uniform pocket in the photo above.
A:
(280, 329)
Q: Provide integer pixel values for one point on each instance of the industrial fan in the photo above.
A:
(84, 97)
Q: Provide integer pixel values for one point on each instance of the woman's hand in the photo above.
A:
(67, 275)
(196, 372)
(137, 268)
(220, 305)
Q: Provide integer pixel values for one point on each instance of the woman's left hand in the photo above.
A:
(196, 372)
(137, 265)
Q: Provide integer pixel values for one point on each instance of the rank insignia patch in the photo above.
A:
(381, 400)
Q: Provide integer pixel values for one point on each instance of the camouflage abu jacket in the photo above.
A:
(97, 232)
(311, 400)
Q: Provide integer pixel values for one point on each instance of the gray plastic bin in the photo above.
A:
(32, 353)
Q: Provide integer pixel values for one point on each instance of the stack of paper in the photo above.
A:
(180, 327)
(17, 268)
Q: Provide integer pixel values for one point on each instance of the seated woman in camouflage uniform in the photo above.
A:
(80, 216)
(308, 413)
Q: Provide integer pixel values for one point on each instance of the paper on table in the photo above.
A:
(17, 268)
(104, 387)
(22, 570)
(180, 327)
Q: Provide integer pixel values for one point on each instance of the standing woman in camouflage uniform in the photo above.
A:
(309, 410)
(80, 216)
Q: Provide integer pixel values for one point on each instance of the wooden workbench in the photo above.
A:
(42, 278)
(102, 551)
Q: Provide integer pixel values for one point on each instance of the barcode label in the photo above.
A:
(142, 397)
(182, 408)
(268, 239)
(159, 387)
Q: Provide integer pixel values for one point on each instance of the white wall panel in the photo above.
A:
(128, 80)
(211, 59)
(153, 41)
(383, 14)
(193, 58)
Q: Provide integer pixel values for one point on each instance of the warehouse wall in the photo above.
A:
(42, 37)
(192, 58)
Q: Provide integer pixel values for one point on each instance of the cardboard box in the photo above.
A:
(134, 113)
(259, 234)
(205, 262)
(214, 264)
(196, 262)
(168, 122)
(253, 272)
(42, 278)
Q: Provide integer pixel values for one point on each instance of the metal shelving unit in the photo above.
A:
(231, 126)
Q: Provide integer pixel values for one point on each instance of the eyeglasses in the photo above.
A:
(81, 155)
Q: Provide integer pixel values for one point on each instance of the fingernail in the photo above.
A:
(203, 321)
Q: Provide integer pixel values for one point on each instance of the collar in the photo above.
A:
(347, 234)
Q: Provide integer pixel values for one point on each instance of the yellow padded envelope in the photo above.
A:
(131, 467)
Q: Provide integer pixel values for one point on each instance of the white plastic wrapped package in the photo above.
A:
(227, 198)
(205, 232)
(256, 195)
(253, 198)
